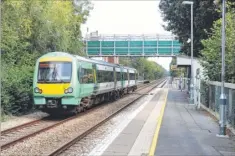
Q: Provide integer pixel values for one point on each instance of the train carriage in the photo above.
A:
(132, 79)
(68, 83)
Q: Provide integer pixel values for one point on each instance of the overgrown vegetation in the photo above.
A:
(178, 18)
(207, 33)
(148, 70)
(29, 29)
(211, 54)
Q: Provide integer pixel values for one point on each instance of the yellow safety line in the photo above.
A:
(159, 120)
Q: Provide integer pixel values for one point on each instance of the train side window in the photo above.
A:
(126, 76)
(111, 76)
(86, 76)
(78, 74)
(100, 77)
(81, 75)
(105, 76)
(90, 76)
(118, 75)
(132, 76)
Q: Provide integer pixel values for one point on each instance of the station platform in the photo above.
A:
(169, 125)
(186, 131)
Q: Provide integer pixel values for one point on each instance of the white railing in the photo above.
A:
(131, 37)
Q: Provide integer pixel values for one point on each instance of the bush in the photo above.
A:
(17, 89)
(30, 29)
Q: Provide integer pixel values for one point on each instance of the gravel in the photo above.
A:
(87, 144)
(44, 143)
(15, 121)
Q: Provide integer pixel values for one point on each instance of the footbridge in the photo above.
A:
(131, 45)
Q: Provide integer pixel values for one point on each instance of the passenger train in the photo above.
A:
(66, 83)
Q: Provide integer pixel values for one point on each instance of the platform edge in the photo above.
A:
(156, 134)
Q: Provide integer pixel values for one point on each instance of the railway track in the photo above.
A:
(72, 142)
(22, 132)
(4, 132)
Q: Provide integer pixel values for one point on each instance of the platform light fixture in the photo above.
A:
(191, 40)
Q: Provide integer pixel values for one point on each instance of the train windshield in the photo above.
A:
(54, 72)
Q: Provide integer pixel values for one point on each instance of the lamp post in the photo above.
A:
(192, 78)
(222, 95)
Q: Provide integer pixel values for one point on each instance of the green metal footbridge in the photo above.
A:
(131, 45)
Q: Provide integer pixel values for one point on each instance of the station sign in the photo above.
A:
(174, 67)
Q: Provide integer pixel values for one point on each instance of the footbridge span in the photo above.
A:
(131, 45)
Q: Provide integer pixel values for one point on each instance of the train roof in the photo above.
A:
(57, 53)
(95, 61)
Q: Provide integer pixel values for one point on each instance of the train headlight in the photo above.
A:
(68, 90)
(37, 90)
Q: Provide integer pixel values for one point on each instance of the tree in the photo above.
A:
(178, 18)
(211, 54)
(30, 29)
(147, 69)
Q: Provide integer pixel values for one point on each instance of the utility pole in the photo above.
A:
(222, 129)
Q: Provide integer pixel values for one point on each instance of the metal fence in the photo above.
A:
(210, 98)
(185, 83)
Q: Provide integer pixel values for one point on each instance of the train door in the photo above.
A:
(128, 77)
(136, 77)
(115, 77)
(122, 76)
(95, 77)
(86, 79)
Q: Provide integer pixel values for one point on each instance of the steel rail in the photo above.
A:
(32, 123)
(81, 136)
(21, 126)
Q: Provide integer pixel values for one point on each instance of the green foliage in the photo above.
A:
(30, 29)
(147, 69)
(211, 54)
(178, 18)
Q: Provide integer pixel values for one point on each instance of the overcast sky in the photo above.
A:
(127, 17)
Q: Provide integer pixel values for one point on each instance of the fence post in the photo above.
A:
(210, 95)
(217, 107)
(230, 106)
(197, 88)
(199, 93)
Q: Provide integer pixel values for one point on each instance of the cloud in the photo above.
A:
(125, 17)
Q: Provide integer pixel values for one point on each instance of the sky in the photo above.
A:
(127, 17)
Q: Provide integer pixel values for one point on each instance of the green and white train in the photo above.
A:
(65, 83)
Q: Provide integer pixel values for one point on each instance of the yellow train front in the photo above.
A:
(54, 82)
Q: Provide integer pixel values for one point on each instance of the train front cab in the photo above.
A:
(54, 84)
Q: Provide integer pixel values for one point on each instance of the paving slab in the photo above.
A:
(187, 131)
(136, 138)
